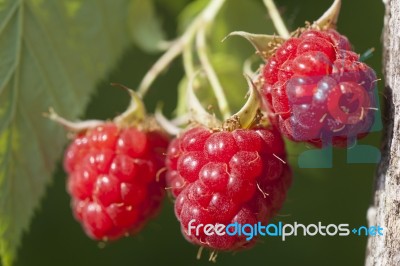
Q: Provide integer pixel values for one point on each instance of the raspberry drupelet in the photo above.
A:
(223, 177)
(115, 168)
(316, 89)
(112, 179)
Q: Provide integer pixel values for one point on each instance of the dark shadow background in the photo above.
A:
(338, 195)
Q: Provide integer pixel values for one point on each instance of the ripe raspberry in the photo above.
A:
(112, 179)
(226, 177)
(317, 90)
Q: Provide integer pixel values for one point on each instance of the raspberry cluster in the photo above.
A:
(112, 179)
(226, 177)
(316, 89)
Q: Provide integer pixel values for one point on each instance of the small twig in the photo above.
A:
(188, 64)
(167, 125)
(178, 45)
(277, 19)
(69, 125)
(161, 64)
(211, 75)
(181, 120)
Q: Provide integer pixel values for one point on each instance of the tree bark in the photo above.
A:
(385, 211)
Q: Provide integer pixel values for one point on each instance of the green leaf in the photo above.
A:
(145, 27)
(52, 53)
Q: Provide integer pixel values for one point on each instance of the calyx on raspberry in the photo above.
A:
(315, 89)
(245, 118)
(113, 172)
(232, 172)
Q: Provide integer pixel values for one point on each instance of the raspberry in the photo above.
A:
(316, 89)
(112, 179)
(226, 177)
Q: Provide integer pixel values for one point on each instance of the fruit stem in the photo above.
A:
(196, 110)
(204, 18)
(277, 19)
(167, 125)
(135, 113)
(188, 64)
(75, 127)
(210, 73)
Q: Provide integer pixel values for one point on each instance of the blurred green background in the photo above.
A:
(338, 195)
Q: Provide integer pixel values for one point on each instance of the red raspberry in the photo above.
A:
(112, 179)
(226, 177)
(317, 90)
